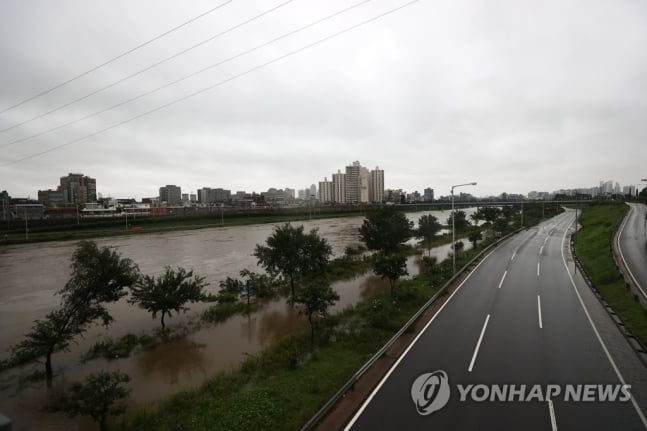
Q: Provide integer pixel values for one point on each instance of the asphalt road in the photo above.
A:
(523, 317)
(632, 243)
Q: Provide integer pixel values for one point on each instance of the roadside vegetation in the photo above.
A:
(593, 247)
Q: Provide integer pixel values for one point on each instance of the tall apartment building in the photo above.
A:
(339, 187)
(325, 191)
(376, 192)
(364, 185)
(78, 189)
(429, 194)
(171, 194)
(353, 186)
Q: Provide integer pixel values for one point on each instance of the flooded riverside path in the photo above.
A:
(32, 273)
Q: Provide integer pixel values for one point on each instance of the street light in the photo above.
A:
(454, 225)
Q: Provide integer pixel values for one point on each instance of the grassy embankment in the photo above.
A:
(593, 247)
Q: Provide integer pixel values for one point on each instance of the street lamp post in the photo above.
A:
(454, 225)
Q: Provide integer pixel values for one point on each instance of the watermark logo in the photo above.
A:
(430, 392)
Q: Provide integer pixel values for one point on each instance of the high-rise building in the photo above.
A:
(339, 187)
(429, 194)
(353, 186)
(376, 192)
(325, 191)
(171, 194)
(78, 189)
(364, 185)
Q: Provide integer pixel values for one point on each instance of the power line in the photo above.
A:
(191, 75)
(152, 66)
(217, 84)
(123, 54)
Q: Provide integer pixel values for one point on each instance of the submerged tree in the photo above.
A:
(294, 254)
(428, 228)
(98, 396)
(316, 298)
(461, 222)
(169, 292)
(474, 236)
(391, 267)
(99, 276)
(386, 230)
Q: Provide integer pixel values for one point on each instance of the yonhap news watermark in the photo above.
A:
(432, 391)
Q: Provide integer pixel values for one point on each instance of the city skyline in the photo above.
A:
(438, 91)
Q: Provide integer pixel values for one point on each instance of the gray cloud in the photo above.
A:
(516, 95)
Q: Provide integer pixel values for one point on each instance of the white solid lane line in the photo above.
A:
(502, 278)
(538, 263)
(478, 344)
(539, 311)
(553, 419)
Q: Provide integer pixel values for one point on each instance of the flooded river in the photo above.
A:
(32, 273)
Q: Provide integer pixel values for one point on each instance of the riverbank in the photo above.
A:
(593, 248)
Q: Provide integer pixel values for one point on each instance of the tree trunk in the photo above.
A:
(163, 326)
(292, 286)
(48, 366)
(392, 282)
(312, 331)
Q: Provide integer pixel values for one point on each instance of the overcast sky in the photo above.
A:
(517, 95)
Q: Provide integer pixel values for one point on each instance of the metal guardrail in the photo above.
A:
(359, 373)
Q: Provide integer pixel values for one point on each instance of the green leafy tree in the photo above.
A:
(391, 267)
(487, 214)
(168, 292)
(99, 276)
(500, 225)
(99, 396)
(428, 228)
(475, 236)
(461, 221)
(294, 254)
(509, 212)
(385, 230)
(316, 298)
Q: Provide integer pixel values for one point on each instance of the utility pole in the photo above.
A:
(26, 227)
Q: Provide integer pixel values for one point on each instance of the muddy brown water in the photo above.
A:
(31, 274)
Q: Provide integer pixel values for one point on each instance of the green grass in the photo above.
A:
(593, 247)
